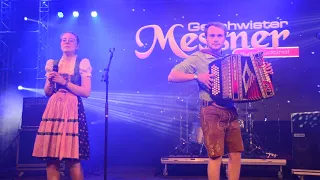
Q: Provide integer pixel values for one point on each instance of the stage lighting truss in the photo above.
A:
(43, 41)
(6, 28)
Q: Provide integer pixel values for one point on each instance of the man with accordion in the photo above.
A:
(223, 80)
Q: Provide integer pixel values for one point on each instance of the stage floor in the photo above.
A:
(132, 173)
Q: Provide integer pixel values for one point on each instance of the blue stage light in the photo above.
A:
(94, 14)
(75, 14)
(60, 14)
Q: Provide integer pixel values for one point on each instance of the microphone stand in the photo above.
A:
(105, 78)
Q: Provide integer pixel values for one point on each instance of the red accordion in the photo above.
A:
(241, 78)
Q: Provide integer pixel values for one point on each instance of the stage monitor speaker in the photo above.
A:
(32, 110)
(305, 128)
(25, 160)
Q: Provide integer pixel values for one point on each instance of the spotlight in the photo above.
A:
(75, 14)
(60, 14)
(25, 18)
(94, 14)
(20, 87)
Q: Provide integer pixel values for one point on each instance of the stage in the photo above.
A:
(132, 173)
(153, 127)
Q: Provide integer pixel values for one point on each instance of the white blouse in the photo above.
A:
(67, 67)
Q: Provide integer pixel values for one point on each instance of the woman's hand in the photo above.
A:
(50, 76)
(57, 78)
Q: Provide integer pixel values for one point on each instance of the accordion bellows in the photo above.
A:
(241, 78)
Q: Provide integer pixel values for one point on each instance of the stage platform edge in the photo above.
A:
(198, 160)
(305, 172)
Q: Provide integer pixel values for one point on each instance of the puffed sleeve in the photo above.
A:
(85, 68)
(49, 67)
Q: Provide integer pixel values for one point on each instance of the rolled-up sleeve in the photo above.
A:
(187, 66)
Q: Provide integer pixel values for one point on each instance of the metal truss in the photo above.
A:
(43, 41)
(5, 49)
(6, 28)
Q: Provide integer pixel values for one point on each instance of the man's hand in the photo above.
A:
(268, 68)
(206, 79)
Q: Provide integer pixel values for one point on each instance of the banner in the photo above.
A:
(242, 38)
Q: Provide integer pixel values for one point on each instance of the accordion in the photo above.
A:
(241, 78)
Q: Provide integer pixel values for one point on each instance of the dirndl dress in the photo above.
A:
(63, 131)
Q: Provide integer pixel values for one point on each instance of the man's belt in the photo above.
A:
(206, 103)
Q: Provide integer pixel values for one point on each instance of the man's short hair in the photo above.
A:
(215, 24)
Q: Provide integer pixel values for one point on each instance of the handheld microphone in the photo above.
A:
(55, 69)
